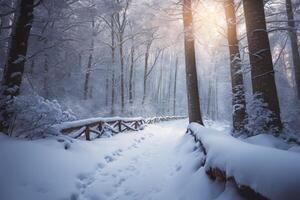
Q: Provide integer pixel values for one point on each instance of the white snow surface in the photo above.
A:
(158, 163)
(272, 172)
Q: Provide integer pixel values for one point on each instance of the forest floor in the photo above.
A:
(156, 163)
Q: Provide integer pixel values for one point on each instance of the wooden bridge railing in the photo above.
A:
(162, 119)
(99, 126)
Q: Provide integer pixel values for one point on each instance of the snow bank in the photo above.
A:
(189, 180)
(271, 172)
(268, 140)
(44, 169)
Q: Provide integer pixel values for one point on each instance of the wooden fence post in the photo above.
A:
(87, 133)
(100, 126)
(120, 126)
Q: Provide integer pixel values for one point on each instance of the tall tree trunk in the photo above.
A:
(14, 68)
(216, 100)
(262, 72)
(106, 86)
(146, 71)
(4, 33)
(89, 66)
(112, 66)
(175, 87)
(46, 74)
(294, 44)
(122, 72)
(237, 82)
(158, 89)
(190, 62)
(131, 73)
(209, 97)
(169, 91)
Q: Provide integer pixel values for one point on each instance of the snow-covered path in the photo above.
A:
(139, 171)
(158, 163)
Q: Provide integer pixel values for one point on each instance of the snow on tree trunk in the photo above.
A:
(262, 72)
(14, 67)
(237, 82)
(190, 62)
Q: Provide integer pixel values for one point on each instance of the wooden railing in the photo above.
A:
(96, 127)
(162, 119)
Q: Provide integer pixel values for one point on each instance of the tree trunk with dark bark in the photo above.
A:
(262, 72)
(237, 82)
(190, 62)
(294, 44)
(14, 67)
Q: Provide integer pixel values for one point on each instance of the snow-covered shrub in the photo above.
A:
(34, 116)
(259, 116)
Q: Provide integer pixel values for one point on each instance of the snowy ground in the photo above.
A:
(158, 163)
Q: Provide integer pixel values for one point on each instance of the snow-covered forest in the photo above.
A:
(149, 99)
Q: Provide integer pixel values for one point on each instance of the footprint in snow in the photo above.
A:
(82, 177)
(100, 166)
(178, 167)
(109, 159)
(120, 182)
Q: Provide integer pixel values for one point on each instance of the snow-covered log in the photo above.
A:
(259, 172)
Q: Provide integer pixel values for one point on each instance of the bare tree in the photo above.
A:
(148, 68)
(112, 66)
(121, 23)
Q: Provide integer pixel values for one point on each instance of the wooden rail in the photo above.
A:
(162, 119)
(100, 126)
